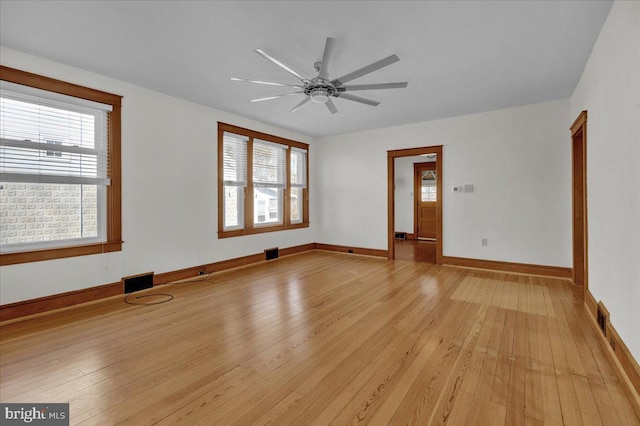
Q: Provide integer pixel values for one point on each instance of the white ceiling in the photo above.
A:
(459, 57)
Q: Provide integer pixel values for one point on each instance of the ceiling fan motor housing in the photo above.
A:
(319, 90)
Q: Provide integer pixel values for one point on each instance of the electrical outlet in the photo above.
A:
(485, 242)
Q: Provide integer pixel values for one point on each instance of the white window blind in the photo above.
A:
(269, 164)
(298, 168)
(235, 159)
(44, 139)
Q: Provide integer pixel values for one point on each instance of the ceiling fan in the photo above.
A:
(321, 89)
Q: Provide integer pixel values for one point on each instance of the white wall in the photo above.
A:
(169, 191)
(518, 159)
(610, 91)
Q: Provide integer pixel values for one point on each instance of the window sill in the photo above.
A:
(58, 253)
(261, 230)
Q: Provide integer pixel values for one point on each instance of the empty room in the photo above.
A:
(320, 212)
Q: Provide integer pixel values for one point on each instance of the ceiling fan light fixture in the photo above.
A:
(319, 96)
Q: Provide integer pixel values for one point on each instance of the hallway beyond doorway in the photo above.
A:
(416, 250)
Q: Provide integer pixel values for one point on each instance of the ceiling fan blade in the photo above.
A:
(304, 101)
(331, 106)
(283, 66)
(366, 70)
(270, 83)
(354, 98)
(327, 57)
(275, 97)
(353, 87)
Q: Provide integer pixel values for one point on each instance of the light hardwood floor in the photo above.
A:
(418, 250)
(321, 338)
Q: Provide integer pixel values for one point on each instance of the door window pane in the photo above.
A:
(428, 192)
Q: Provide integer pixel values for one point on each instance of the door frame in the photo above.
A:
(417, 185)
(579, 191)
(391, 218)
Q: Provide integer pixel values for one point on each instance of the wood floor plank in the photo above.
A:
(515, 413)
(534, 400)
(586, 401)
(324, 338)
(452, 387)
(550, 399)
(500, 388)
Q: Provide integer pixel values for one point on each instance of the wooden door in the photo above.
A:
(425, 197)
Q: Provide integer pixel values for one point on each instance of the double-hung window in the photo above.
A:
(58, 195)
(269, 182)
(298, 166)
(262, 182)
(234, 180)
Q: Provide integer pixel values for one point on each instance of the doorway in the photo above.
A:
(391, 200)
(579, 199)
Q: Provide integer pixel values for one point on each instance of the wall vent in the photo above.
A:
(137, 282)
(272, 253)
(602, 317)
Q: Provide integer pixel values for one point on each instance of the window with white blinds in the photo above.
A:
(298, 184)
(269, 164)
(56, 189)
(235, 159)
(50, 139)
(234, 153)
(262, 182)
(298, 167)
(269, 181)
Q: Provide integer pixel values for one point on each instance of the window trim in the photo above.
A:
(249, 227)
(113, 236)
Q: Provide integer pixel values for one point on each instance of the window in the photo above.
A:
(262, 182)
(235, 180)
(59, 169)
(269, 182)
(429, 189)
(298, 183)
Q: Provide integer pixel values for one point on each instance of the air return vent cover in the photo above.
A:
(138, 282)
(272, 253)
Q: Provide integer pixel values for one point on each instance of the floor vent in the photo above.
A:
(137, 282)
(400, 236)
(272, 253)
